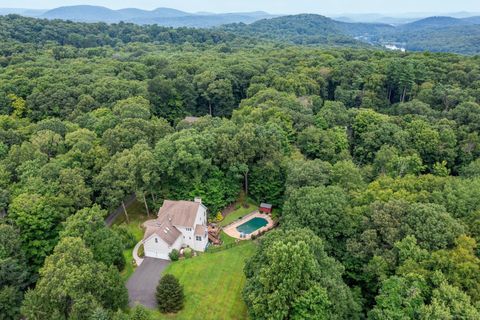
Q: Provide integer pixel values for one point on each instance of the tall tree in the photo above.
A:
(72, 285)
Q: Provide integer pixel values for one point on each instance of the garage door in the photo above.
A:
(156, 254)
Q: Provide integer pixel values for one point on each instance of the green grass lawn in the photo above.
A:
(240, 212)
(213, 284)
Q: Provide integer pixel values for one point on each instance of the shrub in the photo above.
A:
(128, 239)
(139, 312)
(169, 294)
(141, 251)
(218, 217)
(174, 255)
(187, 253)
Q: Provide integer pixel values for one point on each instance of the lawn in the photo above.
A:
(213, 284)
(240, 212)
(137, 214)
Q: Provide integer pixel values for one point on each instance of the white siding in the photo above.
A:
(200, 245)
(160, 249)
(201, 219)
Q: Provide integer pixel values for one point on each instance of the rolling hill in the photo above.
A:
(436, 22)
(161, 16)
(459, 34)
(306, 29)
(436, 34)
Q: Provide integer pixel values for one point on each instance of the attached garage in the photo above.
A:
(156, 247)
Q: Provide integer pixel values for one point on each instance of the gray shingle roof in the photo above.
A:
(180, 213)
(164, 229)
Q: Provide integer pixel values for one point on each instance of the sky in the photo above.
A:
(272, 6)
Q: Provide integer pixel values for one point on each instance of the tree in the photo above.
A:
(449, 302)
(325, 211)
(400, 298)
(169, 294)
(301, 173)
(38, 220)
(289, 276)
(328, 145)
(72, 285)
(13, 273)
(105, 244)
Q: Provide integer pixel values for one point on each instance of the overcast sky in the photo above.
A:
(273, 6)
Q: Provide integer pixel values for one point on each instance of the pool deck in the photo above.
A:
(232, 231)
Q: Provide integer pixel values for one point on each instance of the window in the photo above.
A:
(189, 229)
(199, 238)
(156, 240)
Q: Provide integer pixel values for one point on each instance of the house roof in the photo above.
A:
(200, 230)
(179, 213)
(191, 119)
(162, 228)
(266, 205)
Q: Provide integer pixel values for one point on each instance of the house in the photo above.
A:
(179, 224)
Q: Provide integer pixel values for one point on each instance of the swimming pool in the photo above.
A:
(252, 225)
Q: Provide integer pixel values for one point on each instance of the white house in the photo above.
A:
(179, 224)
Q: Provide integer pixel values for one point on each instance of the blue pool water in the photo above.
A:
(252, 225)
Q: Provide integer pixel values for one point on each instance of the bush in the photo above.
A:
(174, 255)
(141, 251)
(169, 295)
(139, 312)
(187, 253)
(128, 239)
(218, 217)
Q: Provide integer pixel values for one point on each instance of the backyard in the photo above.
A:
(238, 213)
(213, 284)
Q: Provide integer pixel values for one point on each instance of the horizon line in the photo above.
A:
(391, 14)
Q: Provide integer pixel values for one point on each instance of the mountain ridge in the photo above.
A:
(162, 16)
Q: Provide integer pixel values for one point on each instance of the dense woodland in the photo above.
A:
(371, 157)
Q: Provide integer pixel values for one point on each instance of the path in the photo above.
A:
(114, 215)
(138, 260)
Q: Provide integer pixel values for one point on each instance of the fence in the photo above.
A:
(226, 246)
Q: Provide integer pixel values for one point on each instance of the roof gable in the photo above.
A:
(163, 229)
(179, 213)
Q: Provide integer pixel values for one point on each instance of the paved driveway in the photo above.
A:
(142, 285)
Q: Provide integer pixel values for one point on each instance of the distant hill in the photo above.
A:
(473, 20)
(436, 22)
(437, 34)
(307, 29)
(311, 29)
(24, 12)
(459, 34)
(161, 16)
(84, 13)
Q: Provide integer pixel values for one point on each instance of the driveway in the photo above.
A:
(142, 285)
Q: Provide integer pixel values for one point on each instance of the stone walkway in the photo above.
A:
(232, 231)
(138, 260)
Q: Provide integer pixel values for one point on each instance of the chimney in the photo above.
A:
(197, 200)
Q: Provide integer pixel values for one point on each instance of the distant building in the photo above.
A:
(266, 207)
(191, 120)
(179, 224)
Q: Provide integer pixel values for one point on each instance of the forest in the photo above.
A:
(372, 158)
